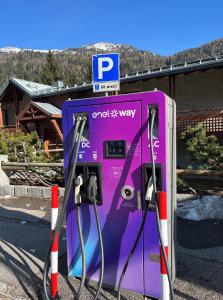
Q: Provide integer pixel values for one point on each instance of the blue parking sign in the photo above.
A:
(105, 67)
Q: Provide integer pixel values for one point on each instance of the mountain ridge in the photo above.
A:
(104, 46)
(75, 63)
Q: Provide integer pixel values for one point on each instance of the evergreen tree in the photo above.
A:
(87, 71)
(203, 149)
(50, 70)
(71, 77)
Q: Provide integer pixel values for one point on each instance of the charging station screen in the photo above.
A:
(115, 149)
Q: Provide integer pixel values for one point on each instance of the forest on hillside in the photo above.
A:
(74, 65)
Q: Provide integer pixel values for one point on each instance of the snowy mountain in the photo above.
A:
(98, 46)
(18, 50)
(103, 46)
(10, 50)
(75, 63)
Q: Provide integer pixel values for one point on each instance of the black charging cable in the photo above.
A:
(69, 184)
(153, 114)
(83, 255)
(78, 183)
(92, 195)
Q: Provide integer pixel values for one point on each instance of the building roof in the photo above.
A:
(29, 87)
(32, 87)
(34, 110)
(184, 67)
(37, 90)
(199, 115)
(47, 108)
(211, 118)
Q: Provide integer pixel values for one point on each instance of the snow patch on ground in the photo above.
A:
(208, 207)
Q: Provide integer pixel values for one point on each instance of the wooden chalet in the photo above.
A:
(197, 88)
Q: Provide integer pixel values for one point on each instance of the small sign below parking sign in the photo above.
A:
(105, 69)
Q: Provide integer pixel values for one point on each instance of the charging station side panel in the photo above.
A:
(171, 183)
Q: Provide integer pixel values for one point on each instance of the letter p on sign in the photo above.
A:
(105, 64)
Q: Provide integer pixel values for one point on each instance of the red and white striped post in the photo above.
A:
(162, 203)
(54, 251)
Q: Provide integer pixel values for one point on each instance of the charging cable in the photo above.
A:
(92, 195)
(76, 139)
(150, 192)
(149, 198)
(77, 201)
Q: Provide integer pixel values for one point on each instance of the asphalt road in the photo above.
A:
(24, 240)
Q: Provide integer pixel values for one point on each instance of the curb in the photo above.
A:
(28, 191)
(183, 197)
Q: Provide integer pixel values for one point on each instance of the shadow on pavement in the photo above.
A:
(200, 235)
(91, 287)
(24, 241)
(184, 296)
(19, 266)
(200, 271)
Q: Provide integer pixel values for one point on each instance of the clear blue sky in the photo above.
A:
(162, 26)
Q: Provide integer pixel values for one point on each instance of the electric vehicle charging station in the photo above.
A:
(115, 149)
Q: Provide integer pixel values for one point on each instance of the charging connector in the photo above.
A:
(150, 189)
(77, 190)
(92, 189)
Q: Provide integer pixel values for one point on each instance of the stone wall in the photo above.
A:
(28, 191)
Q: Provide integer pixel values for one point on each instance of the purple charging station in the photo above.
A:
(117, 140)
